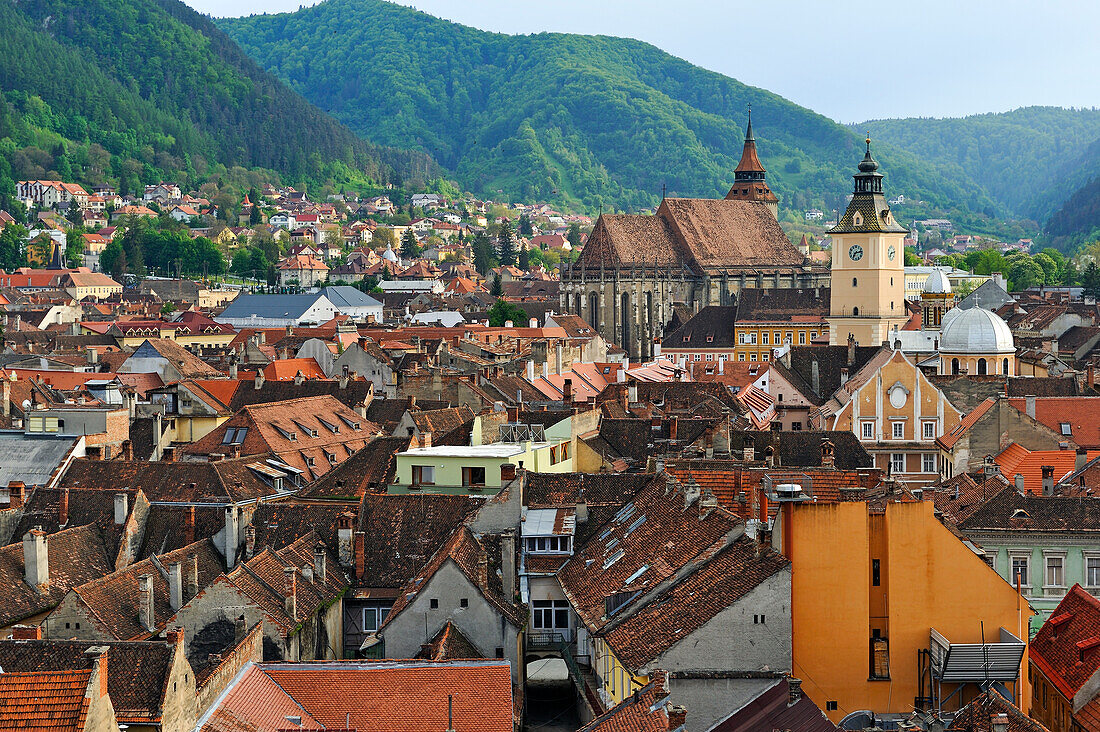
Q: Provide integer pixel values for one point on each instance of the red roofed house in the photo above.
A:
(307, 271)
(1074, 418)
(1064, 665)
(58, 701)
(397, 696)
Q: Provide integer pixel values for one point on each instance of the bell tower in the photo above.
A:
(868, 264)
(749, 182)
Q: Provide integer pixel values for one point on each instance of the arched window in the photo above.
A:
(855, 311)
(855, 282)
(1004, 369)
(981, 367)
(954, 365)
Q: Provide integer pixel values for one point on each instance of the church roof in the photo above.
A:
(722, 233)
(872, 211)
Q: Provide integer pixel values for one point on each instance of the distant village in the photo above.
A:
(448, 464)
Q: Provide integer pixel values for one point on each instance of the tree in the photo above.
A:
(911, 258)
(383, 237)
(524, 259)
(483, 253)
(1090, 280)
(113, 259)
(501, 312)
(525, 228)
(13, 240)
(1025, 272)
(410, 247)
(574, 236)
(506, 244)
(1051, 271)
(496, 289)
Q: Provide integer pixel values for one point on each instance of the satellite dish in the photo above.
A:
(26, 404)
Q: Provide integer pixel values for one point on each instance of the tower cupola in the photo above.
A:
(749, 182)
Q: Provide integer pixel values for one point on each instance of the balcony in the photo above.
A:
(976, 662)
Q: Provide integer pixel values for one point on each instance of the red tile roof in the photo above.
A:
(948, 441)
(644, 711)
(47, 700)
(1059, 648)
(1018, 459)
(288, 368)
(1080, 414)
(386, 696)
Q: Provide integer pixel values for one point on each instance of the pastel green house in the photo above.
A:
(1049, 543)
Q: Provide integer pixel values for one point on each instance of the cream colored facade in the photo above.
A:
(868, 265)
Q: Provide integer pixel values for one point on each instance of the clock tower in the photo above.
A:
(868, 269)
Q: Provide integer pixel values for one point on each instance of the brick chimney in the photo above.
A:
(673, 429)
(127, 450)
(567, 392)
(94, 452)
(98, 681)
(794, 690)
(360, 555)
(508, 563)
(676, 716)
(290, 592)
(16, 493)
(122, 508)
(26, 632)
(1048, 480)
(192, 576)
(189, 525)
(145, 602)
(828, 454)
(748, 450)
(63, 507)
(175, 585)
(36, 559)
(168, 455)
(320, 562)
(851, 349)
(231, 537)
(249, 541)
(483, 571)
(344, 534)
(999, 722)
(507, 473)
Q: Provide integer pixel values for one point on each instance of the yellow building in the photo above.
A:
(868, 272)
(885, 604)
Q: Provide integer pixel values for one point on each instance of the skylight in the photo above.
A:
(637, 522)
(637, 573)
(613, 558)
(625, 512)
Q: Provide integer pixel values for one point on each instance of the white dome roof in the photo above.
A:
(388, 255)
(937, 283)
(975, 330)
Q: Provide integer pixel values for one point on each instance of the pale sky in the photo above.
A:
(848, 60)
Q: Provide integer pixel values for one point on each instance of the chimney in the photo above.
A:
(513, 414)
(36, 561)
(63, 507)
(843, 375)
(189, 524)
(98, 680)
(748, 450)
(145, 602)
(1048, 480)
(192, 575)
(231, 538)
(673, 428)
(299, 379)
(175, 585)
(851, 349)
(26, 632)
(508, 563)
(290, 590)
(94, 452)
(999, 722)
(794, 690)
(815, 376)
(259, 382)
(93, 356)
(483, 571)
(122, 508)
(676, 716)
(360, 554)
(507, 473)
(344, 538)
(581, 516)
(240, 627)
(249, 541)
(127, 450)
(1030, 406)
(233, 370)
(530, 370)
(16, 492)
(1081, 458)
(557, 359)
(567, 392)
(168, 455)
(1019, 481)
(828, 452)
(320, 562)
(632, 393)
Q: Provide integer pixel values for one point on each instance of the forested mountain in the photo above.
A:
(132, 90)
(589, 120)
(1030, 160)
(1078, 220)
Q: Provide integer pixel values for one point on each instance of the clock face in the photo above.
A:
(855, 252)
(891, 252)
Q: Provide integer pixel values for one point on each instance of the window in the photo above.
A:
(710, 356)
(796, 426)
(554, 455)
(1004, 366)
(1092, 572)
(981, 367)
(234, 435)
(564, 447)
(764, 338)
(876, 573)
(765, 356)
(801, 337)
(740, 357)
(548, 544)
(434, 603)
(752, 356)
(1020, 571)
(855, 282)
(868, 430)
(473, 476)
(789, 337)
(423, 475)
(752, 339)
(759, 620)
(897, 462)
(954, 365)
(898, 430)
(550, 614)
(928, 462)
(741, 338)
(1055, 576)
(464, 602)
(777, 338)
(929, 430)
(500, 651)
(830, 706)
(1066, 429)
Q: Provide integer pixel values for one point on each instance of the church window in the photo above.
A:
(1004, 365)
(954, 365)
(855, 282)
(981, 367)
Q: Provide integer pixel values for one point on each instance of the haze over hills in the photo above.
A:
(604, 121)
(136, 90)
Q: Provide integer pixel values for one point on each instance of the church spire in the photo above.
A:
(749, 182)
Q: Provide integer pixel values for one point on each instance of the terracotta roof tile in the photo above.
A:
(449, 644)
(52, 700)
(643, 711)
(1018, 459)
(1079, 415)
(1054, 649)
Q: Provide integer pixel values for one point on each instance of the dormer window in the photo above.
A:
(857, 219)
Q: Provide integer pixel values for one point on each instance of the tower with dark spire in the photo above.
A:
(868, 263)
(749, 178)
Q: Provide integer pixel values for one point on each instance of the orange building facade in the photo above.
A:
(871, 588)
